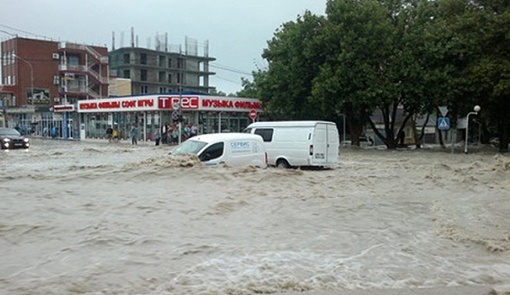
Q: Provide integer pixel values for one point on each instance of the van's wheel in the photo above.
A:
(282, 164)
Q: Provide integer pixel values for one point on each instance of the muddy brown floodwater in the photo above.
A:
(98, 218)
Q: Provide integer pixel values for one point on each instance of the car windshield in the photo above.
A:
(189, 147)
(9, 132)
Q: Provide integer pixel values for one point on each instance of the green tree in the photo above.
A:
(489, 68)
(470, 40)
(217, 92)
(249, 89)
(372, 65)
(390, 57)
(293, 63)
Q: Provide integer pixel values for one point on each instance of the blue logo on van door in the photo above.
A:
(240, 146)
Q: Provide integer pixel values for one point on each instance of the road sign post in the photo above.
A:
(443, 123)
(253, 115)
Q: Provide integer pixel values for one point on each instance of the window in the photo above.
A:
(143, 58)
(126, 74)
(266, 133)
(143, 75)
(161, 61)
(162, 90)
(73, 60)
(144, 89)
(170, 78)
(180, 63)
(161, 77)
(213, 152)
(126, 58)
(169, 63)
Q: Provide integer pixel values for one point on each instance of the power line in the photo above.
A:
(216, 66)
(226, 68)
(21, 31)
(228, 80)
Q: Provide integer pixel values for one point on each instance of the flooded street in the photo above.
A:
(99, 218)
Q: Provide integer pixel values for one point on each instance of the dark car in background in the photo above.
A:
(10, 138)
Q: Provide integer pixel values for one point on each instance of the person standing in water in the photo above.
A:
(133, 133)
(115, 133)
(109, 133)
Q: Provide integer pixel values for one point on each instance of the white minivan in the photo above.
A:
(299, 143)
(232, 149)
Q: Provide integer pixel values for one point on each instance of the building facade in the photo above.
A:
(148, 113)
(156, 71)
(38, 75)
(65, 86)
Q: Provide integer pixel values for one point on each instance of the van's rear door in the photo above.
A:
(320, 144)
(333, 145)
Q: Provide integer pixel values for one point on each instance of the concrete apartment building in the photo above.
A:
(163, 69)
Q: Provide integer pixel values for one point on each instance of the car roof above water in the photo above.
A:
(287, 124)
(226, 136)
(4, 129)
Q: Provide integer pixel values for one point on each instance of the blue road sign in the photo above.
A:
(443, 123)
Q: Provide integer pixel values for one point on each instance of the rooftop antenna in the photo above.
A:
(113, 40)
(166, 42)
(133, 37)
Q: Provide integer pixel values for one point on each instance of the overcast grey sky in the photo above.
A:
(237, 30)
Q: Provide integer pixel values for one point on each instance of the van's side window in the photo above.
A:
(266, 133)
(212, 152)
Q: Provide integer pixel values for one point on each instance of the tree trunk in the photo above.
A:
(422, 133)
(504, 137)
(440, 135)
(355, 128)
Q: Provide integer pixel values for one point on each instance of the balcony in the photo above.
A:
(91, 51)
(80, 90)
(83, 70)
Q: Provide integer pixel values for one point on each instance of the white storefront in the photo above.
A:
(148, 112)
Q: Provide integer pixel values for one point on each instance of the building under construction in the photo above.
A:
(162, 67)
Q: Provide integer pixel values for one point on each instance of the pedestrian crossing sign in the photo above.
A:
(443, 123)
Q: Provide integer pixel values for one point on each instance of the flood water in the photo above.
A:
(99, 218)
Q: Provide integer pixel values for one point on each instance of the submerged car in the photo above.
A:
(10, 138)
(232, 149)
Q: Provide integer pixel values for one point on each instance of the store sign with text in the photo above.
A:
(185, 102)
(229, 104)
(164, 103)
(117, 105)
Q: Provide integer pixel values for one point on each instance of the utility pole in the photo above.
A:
(180, 63)
(31, 76)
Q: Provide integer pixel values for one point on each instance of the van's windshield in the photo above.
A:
(189, 147)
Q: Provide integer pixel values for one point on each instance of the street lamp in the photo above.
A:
(476, 109)
(31, 75)
(4, 112)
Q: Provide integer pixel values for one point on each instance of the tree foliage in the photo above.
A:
(293, 63)
(249, 89)
(391, 57)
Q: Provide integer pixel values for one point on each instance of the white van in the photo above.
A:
(233, 149)
(299, 143)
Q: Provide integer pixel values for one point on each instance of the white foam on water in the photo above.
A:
(98, 218)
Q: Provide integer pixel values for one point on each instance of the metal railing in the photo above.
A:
(83, 69)
(88, 49)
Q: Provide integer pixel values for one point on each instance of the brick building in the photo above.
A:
(48, 84)
(42, 81)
